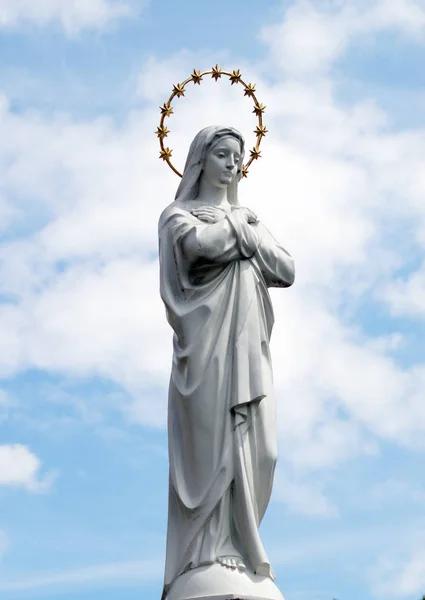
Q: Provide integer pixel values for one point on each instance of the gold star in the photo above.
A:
(261, 131)
(216, 72)
(235, 77)
(178, 90)
(255, 153)
(166, 109)
(165, 154)
(244, 171)
(249, 89)
(258, 109)
(162, 131)
(196, 77)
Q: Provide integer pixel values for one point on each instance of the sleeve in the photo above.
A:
(230, 239)
(275, 263)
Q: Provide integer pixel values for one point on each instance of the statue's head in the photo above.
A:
(221, 161)
(217, 154)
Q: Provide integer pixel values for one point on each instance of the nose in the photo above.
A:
(230, 162)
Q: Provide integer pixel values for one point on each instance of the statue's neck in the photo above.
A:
(211, 195)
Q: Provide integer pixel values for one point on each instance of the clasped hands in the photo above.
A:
(212, 214)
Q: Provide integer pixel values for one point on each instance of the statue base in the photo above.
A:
(215, 582)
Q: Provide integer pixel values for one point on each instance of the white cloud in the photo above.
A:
(305, 498)
(337, 545)
(5, 405)
(313, 35)
(125, 573)
(84, 282)
(72, 15)
(406, 296)
(400, 573)
(4, 399)
(19, 467)
(392, 491)
(324, 367)
(4, 543)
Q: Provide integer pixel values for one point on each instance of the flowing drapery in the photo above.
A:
(221, 414)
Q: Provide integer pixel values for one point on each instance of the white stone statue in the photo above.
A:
(216, 263)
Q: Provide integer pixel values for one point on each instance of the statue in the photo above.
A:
(216, 264)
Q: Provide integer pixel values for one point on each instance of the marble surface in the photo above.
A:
(218, 583)
(217, 261)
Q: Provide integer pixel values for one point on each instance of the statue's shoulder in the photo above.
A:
(172, 211)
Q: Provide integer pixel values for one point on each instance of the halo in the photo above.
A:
(179, 90)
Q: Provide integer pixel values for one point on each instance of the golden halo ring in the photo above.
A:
(179, 90)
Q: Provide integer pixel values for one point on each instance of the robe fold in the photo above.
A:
(221, 413)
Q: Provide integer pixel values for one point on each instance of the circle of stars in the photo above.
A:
(196, 78)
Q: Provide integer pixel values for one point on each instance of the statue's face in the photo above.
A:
(221, 162)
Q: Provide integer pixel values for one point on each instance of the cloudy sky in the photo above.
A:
(84, 346)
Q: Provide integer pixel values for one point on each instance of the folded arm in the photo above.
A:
(275, 263)
(231, 238)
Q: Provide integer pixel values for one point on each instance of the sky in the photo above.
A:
(85, 350)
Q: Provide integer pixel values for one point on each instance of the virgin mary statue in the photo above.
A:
(216, 264)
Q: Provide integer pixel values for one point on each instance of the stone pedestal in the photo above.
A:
(215, 582)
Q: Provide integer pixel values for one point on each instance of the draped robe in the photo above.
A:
(221, 413)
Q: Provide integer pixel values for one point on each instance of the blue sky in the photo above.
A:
(85, 349)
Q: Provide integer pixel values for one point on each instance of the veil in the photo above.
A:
(189, 185)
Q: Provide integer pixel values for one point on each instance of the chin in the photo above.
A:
(224, 184)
